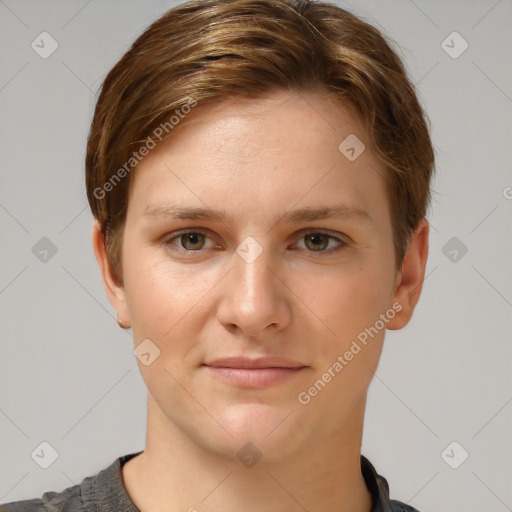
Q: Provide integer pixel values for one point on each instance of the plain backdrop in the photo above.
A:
(68, 376)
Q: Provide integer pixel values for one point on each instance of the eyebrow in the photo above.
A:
(293, 216)
(325, 212)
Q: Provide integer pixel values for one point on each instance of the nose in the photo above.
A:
(254, 297)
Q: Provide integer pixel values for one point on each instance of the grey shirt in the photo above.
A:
(105, 492)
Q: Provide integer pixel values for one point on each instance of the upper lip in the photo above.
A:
(259, 362)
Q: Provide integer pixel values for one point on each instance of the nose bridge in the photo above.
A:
(252, 274)
(253, 299)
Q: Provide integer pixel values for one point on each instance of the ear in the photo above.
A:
(409, 281)
(115, 292)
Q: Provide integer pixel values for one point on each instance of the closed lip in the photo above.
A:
(254, 363)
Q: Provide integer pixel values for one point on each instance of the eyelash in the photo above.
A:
(167, 242)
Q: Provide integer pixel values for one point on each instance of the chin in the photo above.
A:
(272, 433)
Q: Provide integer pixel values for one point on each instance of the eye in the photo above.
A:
(318, 241)
(190, 241)
(187, 241)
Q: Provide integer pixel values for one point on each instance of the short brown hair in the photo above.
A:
(214, 50)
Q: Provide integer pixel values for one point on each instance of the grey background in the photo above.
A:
(67, 372)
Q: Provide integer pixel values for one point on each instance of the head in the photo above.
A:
(244, 113)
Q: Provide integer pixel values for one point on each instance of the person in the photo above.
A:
(259, 173)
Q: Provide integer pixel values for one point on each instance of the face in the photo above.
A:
(269, 275)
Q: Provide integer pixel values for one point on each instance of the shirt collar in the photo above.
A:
(378, 487)
(105, 492)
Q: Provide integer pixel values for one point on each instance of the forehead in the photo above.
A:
(273, 120)
(274, 150)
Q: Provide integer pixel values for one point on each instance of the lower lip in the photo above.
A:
(254, 378)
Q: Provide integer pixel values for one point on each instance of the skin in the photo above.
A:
(258, 160)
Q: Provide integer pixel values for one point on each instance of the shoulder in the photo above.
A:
(103, 490)
(69, 499)
(398, 506)
(35, 505)
(379, 489)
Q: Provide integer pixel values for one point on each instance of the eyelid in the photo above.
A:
(341, 242)
(338, 236)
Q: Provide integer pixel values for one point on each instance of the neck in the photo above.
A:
(175, 474)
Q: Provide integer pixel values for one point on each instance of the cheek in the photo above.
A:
(344, 302)
(160, 292)
(168, 303)
(348, 344)
(162, 302)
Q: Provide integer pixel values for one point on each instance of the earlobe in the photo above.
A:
(409, 280)
(115, 292)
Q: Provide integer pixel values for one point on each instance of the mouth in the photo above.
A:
(254, 373)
